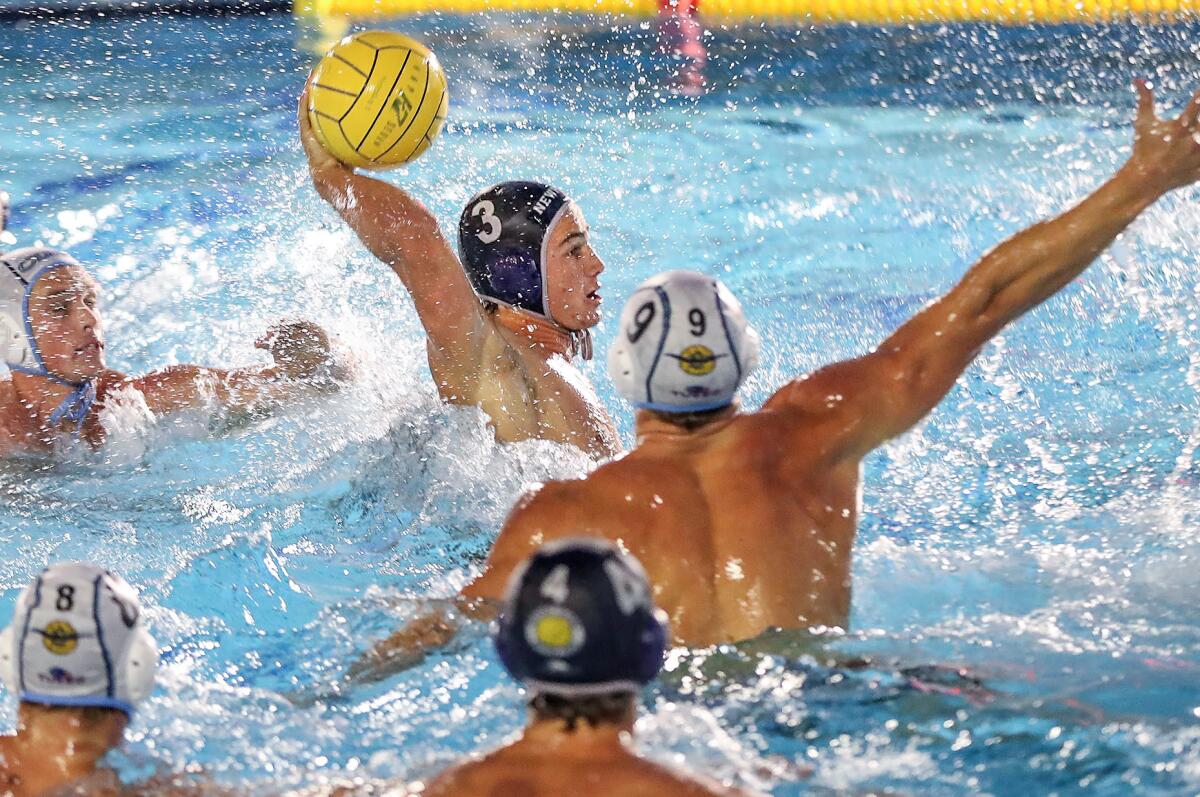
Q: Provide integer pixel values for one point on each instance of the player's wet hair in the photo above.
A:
(594, 710)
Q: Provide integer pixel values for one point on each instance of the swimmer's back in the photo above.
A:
(741, 525)
(526, 770)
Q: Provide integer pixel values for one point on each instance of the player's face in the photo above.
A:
(573, 273)
(65, 317)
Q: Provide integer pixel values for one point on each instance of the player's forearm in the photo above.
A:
(252, 390)
(409, 646)
(258, 390)
(387, 219)
(1035, 264)
(406, 648)
(184, 387)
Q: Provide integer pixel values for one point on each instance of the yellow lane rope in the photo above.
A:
(874, 12)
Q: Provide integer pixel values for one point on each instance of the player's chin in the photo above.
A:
(88, 365)
(588, 316)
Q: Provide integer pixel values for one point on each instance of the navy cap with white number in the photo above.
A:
(579, 620)
(502, 238)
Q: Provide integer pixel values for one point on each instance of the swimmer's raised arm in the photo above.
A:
(884, 393)
(304, 363)
(404, 234)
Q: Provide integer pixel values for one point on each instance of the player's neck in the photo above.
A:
(545, 336)
(54, 749)
(553, 738)
(39, 395)
(651, 425)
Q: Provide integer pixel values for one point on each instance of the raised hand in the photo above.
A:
(1166, 152)
(318, 157)
(300, 349)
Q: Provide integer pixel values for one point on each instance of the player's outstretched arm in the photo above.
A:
(421, 636)
(304, 364)
(884, 393)
(524, 532)
(404, 234)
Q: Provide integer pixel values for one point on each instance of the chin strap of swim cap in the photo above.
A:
(20, 270)
(76, 406)
(568, 343)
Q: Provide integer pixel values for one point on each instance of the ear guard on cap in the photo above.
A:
(502, 237)
(8, 663)
(20, 270)
(135, 677)
(13, 346)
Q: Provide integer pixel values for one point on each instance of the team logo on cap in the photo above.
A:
(697, 360)
(555, 631)
(60, 677)
(60, 637)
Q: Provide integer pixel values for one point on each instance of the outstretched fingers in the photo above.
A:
(1145, 100)
(1191, 114)
(302, 107)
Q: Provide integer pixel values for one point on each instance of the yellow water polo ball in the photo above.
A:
(377, 99)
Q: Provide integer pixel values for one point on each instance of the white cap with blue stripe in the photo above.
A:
(684, 345)
(78, 639)
(20, 270)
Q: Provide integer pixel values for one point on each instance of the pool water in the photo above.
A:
(1038, 530)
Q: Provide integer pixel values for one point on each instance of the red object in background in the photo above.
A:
(687, 8)
(680, 34)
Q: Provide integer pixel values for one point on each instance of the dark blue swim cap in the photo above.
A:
(502, 241)
(579, 620)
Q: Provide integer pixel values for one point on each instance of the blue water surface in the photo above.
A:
(1038, 529)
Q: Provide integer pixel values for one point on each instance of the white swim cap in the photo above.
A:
(20, 270)
(684, 345)
(77, 639)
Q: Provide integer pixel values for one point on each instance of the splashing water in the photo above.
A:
(1034, 538)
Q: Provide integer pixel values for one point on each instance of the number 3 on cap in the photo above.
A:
(487, 213)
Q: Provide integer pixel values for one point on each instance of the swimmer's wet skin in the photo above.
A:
(746, 521)
(580, 630)
(52, 339)
(503, 323)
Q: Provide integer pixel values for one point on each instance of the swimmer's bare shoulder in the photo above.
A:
(520, 773)
(608, 503)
